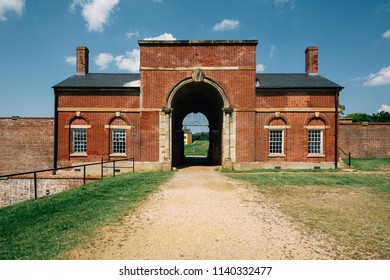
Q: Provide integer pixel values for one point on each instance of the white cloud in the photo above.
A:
(384, 108)
(227, 24)
(95, 12)
(284, 5)
(271, 52)
(16, 6)
(103, 60)
(260, 68)
(130, 61)
(131, 34)
(71, 60)
(358, 81)
(382, 77)
(162, 37)
(136, 83)
(279, 3)
(386, 34)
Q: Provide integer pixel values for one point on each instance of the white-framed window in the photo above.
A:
(79, 140)
(119, 141)
(316, 142)
(276, 141)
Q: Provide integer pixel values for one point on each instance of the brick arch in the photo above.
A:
(206, 80)
(277, 116)
(75, 117)
(317, 116)
(113, 117)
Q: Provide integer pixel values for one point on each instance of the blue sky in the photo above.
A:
(38, 39)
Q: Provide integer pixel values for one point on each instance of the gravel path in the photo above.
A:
(200, 214)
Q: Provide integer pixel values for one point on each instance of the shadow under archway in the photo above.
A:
(194, 97)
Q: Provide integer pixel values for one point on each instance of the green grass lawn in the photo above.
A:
(351, 208)
(197, 148)
(370, 164)
(47, 227)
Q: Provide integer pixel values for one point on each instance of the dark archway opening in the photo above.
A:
(197, 97)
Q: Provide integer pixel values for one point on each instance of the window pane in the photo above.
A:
(118, 141)
(315, 141)
(276, 141)
(79, 140)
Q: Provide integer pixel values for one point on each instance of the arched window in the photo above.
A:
(118, 136)
(78, 135)
(277, 126)
(316, 128)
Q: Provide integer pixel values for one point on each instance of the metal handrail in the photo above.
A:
(102, 162)
(349, 156)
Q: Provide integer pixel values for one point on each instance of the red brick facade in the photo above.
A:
(217, 78)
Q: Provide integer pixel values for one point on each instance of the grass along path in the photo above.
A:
(351, 208)
(49, 226)
(197, 148)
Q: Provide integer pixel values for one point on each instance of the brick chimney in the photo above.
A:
(82, 58)
(311, 60)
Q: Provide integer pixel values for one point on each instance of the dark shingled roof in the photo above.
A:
(301, 80)
(98, 80)
(263, 81)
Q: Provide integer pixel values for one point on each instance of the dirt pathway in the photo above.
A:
(200, 214)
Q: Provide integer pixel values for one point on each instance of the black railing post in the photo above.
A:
(113, 168)
(35, 186)
(349, 159)
(84, 174)
(133, 166)
(101, 170)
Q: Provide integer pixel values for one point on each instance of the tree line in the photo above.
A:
(363, 117)
(200, 136)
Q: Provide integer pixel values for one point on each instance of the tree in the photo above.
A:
(363, 117)
(200, 136)
(342, 109)
(359, 117)
(381, 117)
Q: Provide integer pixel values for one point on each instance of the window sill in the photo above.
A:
(277, 155)
(118, 155)
(315, 156)
(78, 155)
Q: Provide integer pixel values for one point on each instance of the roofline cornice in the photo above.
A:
(196, 42)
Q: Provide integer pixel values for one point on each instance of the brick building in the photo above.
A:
(255, 120)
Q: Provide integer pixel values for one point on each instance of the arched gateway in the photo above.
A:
(193, 95)
(255, 120)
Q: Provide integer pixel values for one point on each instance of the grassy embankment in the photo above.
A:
(47, 227)
(351, 208)
(197, 148)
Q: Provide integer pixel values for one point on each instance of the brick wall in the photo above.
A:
(365, 140)
(13, 191)
(26, 144)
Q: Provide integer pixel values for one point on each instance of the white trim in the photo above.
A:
(316, 127)
(276, 155)
(78, 126)
(269, 144)
(127, 127)
(78, 154)
(321, 153)
(277, 127)
(118, 155)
